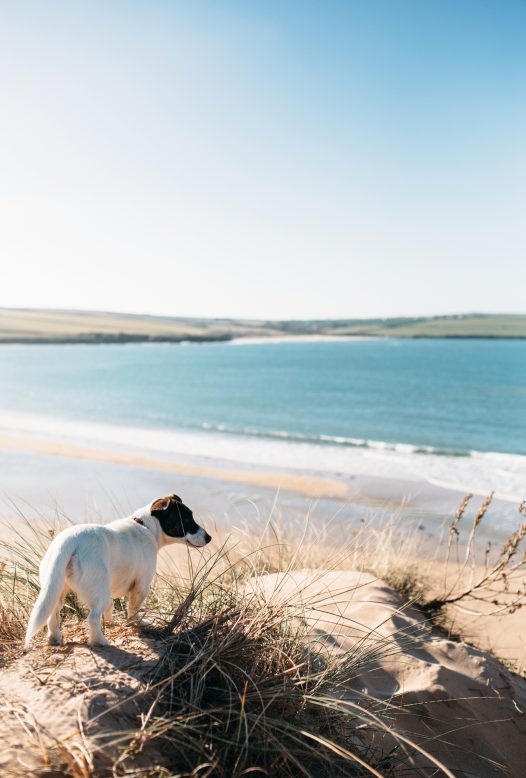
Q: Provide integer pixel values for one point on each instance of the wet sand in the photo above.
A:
(42, 478)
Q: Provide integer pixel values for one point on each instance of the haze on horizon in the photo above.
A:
(275, 160)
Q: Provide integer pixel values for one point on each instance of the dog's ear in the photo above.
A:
(164, 502)
(160, 505)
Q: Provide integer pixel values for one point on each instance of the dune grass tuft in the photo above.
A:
(242, 688)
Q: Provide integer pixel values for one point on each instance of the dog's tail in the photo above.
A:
(52, 586)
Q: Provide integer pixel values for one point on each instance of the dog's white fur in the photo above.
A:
(100, 562)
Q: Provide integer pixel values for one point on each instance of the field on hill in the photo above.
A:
(59, 326)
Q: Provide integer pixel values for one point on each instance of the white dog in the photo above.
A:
(102, 561)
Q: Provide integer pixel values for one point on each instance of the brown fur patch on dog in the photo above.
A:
(164, 502)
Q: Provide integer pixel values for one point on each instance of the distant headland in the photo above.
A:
(26, 325)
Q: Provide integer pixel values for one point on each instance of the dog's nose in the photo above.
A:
(207, 537)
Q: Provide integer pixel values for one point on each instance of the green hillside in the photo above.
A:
(466, 326)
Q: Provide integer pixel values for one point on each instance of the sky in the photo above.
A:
(263, 159)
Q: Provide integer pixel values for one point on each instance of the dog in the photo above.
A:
(102, 561)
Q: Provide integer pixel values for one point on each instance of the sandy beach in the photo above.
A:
(313, 338)
(85, 479)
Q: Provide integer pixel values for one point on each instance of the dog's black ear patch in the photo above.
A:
(175, 518)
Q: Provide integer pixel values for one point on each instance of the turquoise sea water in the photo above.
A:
(452, 412)
(451, 396)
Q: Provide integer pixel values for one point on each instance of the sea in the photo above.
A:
(450, 411)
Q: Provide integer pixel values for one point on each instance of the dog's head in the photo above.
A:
(177, 521)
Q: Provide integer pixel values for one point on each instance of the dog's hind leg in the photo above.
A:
(137, 596)
(54, 635)
(108, 615)
(96, 638)
(93, 589)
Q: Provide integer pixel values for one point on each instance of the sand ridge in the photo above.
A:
(458, 702)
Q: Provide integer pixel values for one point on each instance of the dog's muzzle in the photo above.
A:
(198, 539)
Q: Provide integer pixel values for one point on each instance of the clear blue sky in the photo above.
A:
(264, 159)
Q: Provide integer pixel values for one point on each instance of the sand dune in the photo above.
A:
(459, 703)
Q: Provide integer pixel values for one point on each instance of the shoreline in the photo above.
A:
(256, 340)
(332, 458)
(96, 339)
(85, 480)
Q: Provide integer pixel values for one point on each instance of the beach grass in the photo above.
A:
(240, 685)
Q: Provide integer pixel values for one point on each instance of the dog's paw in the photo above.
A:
(137, 623)
(99, 642)
(55, 639)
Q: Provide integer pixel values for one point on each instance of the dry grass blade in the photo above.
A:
(491, 583)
